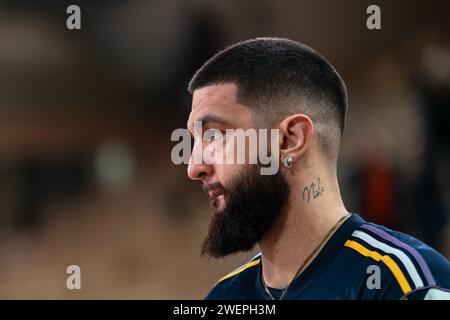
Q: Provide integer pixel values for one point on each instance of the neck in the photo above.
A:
(311, 212)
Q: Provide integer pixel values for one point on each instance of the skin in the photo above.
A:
(305, 223)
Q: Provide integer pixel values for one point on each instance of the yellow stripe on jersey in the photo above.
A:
(239, 270)
(387, 260)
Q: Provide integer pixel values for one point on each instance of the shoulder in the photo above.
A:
(234, 284)
(411, 268)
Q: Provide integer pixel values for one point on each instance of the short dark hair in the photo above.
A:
(280, 77)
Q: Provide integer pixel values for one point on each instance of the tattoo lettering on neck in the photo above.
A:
(314, 190)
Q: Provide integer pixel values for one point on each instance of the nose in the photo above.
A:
(198, 171)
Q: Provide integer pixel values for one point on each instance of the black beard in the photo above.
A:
(253, 204)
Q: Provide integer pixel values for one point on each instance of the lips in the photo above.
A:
(215, 193)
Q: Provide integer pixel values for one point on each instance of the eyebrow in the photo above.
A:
(212, 118)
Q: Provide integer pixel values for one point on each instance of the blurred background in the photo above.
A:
(86, 117)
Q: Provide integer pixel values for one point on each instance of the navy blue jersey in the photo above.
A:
(346, 268)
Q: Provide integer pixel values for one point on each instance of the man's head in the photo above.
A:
(263, 83)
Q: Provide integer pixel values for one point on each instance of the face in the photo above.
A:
(246, 204)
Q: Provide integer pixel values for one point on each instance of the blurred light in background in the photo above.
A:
(114, 165)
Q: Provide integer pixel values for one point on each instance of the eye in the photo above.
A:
(212, 134)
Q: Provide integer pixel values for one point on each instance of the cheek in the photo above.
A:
(239, 149)
(226, 172)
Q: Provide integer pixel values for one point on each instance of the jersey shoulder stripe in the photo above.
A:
(406, 262)
(389, 239)
(253, 262)
(386, 259)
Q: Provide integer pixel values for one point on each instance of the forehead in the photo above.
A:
(218, 100)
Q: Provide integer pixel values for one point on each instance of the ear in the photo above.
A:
(296, 133)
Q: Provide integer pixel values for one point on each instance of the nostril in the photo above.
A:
(197, 172)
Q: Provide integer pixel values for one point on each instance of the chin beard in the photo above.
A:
(252, 206)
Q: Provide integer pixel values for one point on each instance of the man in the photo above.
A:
(311, 247)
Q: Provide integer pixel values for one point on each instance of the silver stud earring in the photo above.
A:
(288, 161)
